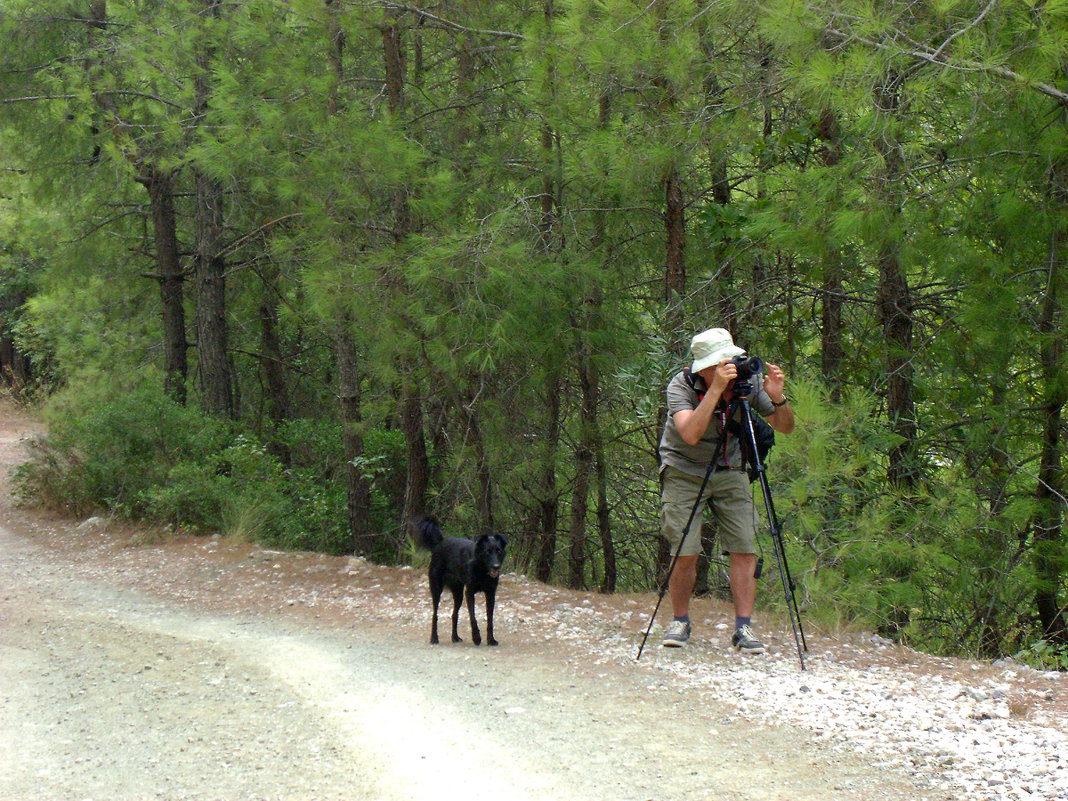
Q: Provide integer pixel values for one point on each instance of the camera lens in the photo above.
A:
(748, 366)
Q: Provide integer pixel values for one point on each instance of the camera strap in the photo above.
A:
(687, 373)
(765, 434)
(720, 412)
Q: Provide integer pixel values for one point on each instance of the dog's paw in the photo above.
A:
(457, 639)
(434, 640)
(492, 641)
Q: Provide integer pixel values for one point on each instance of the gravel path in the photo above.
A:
(198, 668)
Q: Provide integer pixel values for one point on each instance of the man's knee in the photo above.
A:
(685, 571)
(688, 562)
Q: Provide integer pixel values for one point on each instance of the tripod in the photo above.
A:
(741, 402)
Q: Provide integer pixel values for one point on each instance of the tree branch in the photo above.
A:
(933, 57)
(449, 23)
(34, 99)
(228, 249)
(965, 29)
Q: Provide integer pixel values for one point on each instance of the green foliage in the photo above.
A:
(490, 234)
(117, 449)
(141, 455)
(832, 502)
(236, 487)
(314, 483)
(1044, 655)
(933, 569)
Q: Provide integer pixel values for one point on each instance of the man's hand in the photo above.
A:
(725, 372)
(774, 381)
(782, 419)
(693, 423)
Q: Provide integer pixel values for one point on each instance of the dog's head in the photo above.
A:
(489, 553)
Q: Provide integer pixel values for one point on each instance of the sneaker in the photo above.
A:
(678, 632)
(745, 642)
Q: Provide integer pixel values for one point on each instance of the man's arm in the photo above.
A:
(693, 423)
(782, 419)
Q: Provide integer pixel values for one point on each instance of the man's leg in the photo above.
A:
(743, 583)
(743, 590)
(736, 521)
(678, 494)
(680, 587)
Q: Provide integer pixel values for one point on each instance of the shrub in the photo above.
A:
(315, 483)
(141, 455)
(109, 454)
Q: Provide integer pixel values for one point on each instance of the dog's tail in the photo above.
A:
(430, 533)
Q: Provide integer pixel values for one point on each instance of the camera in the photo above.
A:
(748, 366)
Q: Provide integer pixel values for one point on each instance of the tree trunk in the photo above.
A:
(722, 311)
(15, 369)
(14, 366)
(831, 295)
(590, 456)
(895, 313)
(604, 520)
(272, 364)
(418, 477)
(411, 401)
(894, 302)
(675, 238)
(671, 182)
(482, 470)
(335, 53)
(212, 352)
(393, 58)
(674, 246)
(160, 188)
(357, 488)
(466, 70)
(589, 463)
(1049, 546)
(674, 291)
(577, 539)
(548, 500)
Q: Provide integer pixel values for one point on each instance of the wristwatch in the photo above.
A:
(785, 400)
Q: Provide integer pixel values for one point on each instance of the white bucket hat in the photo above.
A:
(711, 347)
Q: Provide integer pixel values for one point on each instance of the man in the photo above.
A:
(696, 436)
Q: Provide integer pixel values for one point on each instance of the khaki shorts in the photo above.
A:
(729, 496)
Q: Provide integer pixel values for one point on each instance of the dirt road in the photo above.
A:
(109, 693)
(196, 668)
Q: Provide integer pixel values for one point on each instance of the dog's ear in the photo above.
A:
(502, 537)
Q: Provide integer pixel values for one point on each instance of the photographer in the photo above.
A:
(696, 436)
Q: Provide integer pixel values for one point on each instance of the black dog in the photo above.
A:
(465, 567)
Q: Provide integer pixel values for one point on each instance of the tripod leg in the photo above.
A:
(660, 597)
(793, 595)
(674, 559)
(791, 598)
(776, 536)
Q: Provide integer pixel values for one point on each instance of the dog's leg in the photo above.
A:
(476, 635)
(491, 596)
(435, 596)
(457, 600)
